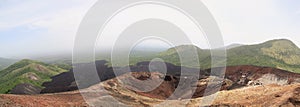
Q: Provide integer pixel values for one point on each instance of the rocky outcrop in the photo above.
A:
(31, 76)
(235, 77)
(168, 85)
(25, 89)
(262, 75)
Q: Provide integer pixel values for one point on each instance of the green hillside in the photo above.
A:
(4, 62)
(282, 54)
(172, 55)
(27, 71)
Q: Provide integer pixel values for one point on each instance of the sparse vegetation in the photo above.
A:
(21, 71)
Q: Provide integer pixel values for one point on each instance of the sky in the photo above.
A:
(41, 27)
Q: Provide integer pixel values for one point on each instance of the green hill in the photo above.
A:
(172, 55)
(27, 71)
(283, 50)
(4, 62)
(282, 54)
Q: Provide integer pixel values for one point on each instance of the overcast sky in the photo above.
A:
(32, 27)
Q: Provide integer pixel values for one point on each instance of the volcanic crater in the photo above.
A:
(191, 85)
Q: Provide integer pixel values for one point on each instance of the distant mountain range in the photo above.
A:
(27, 71)
(233, 46)
(281, 53)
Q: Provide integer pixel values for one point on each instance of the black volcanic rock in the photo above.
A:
(66, 81)
(25, 89)
(235, 76)
(60, 83)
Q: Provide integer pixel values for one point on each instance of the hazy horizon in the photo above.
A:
(138, 48)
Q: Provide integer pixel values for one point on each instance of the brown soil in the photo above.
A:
(270, 95)
(71, 99)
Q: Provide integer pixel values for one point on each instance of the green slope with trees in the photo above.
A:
(27, 71)
(282, 54)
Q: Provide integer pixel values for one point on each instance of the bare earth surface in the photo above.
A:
(71, 99)
(270, 95)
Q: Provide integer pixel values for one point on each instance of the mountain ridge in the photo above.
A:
(27, 71)
(279, 53)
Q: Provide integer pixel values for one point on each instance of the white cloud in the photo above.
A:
(18, 14)
(251, 21)
(29, 12)
(61, 28)
(56, 25)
